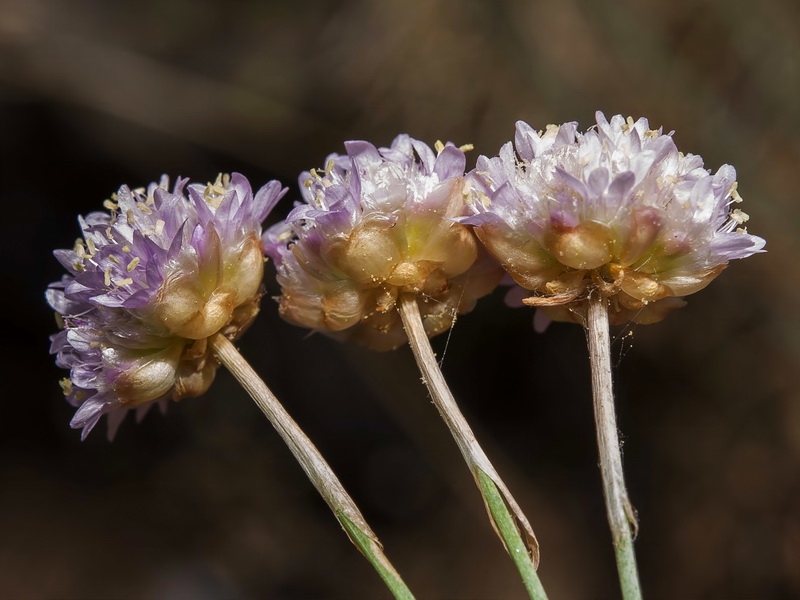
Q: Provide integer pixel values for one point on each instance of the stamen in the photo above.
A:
(215, 192)
(551, 130)
(740, 216)
(629, 123)
(734, 194)
(66, 386)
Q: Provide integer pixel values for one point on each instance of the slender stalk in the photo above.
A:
(620, 512)
(500, 504)
(315, 467)
(507, 529)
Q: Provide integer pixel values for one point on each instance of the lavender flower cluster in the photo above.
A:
(376, 224)
(617, 209)
(149, 282)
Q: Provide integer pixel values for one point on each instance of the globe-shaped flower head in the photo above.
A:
(149, 282)
(378, 223)
(617, 209)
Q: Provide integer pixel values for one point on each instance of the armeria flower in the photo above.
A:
(617, 208)
(149, 282)
(377, 223)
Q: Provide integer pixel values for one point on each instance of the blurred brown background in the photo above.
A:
(205, 502)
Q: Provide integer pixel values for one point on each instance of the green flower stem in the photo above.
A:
(315, 467)
(511, 537)
(506, 516)
(620, 513)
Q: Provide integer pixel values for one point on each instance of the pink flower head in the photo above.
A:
(618, 209)
(377, 223)
(149, 282)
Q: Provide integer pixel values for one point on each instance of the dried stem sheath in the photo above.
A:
(315, 467)
(620, 512)
(502, 508)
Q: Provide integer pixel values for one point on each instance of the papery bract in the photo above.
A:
(149, 282)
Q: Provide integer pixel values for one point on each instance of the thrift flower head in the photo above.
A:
(149, 282)
(378, 223)
(618, 209)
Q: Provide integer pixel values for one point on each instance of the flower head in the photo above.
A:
(618, 209)
(149, 282)
(377, 223)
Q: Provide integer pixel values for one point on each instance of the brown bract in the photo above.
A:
(642, 280)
